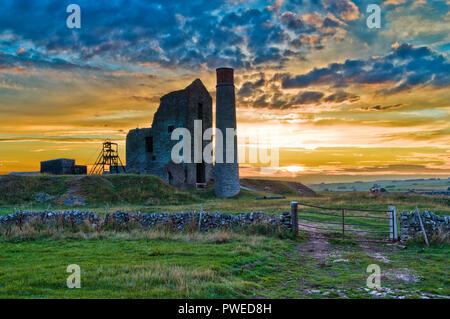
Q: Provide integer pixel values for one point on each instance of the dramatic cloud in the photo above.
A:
(292, 21)
(346, 9)
(310, 67)
(393, 2)
(382, 107)
(308, 97)
(341, 96)
(261, 93)
(170, 34)
(248, 88)
(405, 67)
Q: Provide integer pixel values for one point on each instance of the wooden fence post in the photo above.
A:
(423, 228)
(200, 219)
(294, 218)
(391, 224)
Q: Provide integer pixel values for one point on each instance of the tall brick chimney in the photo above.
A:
(226, 174)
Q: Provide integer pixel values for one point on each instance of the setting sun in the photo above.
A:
(293, 169)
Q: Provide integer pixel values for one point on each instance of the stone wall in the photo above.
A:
(137, 156)
(177, 109)
(177, 221)
(410, 225)
(60, 166)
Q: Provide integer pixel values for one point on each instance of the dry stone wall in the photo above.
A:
(179, 221)
(410, 224)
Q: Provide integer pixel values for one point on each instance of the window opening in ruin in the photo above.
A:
(201, 178)
(200, 111)
(171, 128)
(170, 178)
(149, 144)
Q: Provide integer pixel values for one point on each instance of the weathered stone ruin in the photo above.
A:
(148, 150)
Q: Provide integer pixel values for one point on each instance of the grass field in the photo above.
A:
(150, 194)
(219, 265)
(393, 186)
(166, 264)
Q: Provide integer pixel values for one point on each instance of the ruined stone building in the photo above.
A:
(148, 150)
(62, 166)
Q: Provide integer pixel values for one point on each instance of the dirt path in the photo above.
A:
(320, 249)
(73, 195)
(316, 246)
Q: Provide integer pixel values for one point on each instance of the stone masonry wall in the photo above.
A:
(410, 225)
(226, 173)
(178, 221)
(178, 109)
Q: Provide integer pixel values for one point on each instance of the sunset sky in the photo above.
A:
(343, 100)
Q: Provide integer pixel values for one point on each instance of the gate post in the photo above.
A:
(294, 218)
(393, 223)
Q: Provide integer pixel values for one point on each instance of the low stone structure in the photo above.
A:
(410, 224)
(177, 221)
(75, 217)
(62, 166)
(206, 221)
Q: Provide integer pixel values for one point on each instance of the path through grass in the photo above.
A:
(217, 265)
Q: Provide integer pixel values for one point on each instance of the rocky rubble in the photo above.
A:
(206, 221)
(410, 225)
(43, 197)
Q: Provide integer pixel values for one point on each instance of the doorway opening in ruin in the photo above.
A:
(200, 111)
(149, 144)
(201, 175)
(170, 178)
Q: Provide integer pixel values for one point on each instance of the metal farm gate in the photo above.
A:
(362, 225)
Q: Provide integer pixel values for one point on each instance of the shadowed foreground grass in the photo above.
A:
(164, 264)
(136, 263)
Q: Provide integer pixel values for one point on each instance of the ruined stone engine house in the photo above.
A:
(148, 150)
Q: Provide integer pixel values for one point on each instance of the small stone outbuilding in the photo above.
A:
(62, 166)
(148, 150)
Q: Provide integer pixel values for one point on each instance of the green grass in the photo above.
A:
(343, 274)
(15, 190)
(155, 264)
(150, 194)
(120, 266)
(19, 192)
(277, 187)
(131, 189)
(392, 186)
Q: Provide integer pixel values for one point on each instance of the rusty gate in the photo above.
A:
(362, 225)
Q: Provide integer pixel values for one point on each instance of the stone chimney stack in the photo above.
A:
(226, 174)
